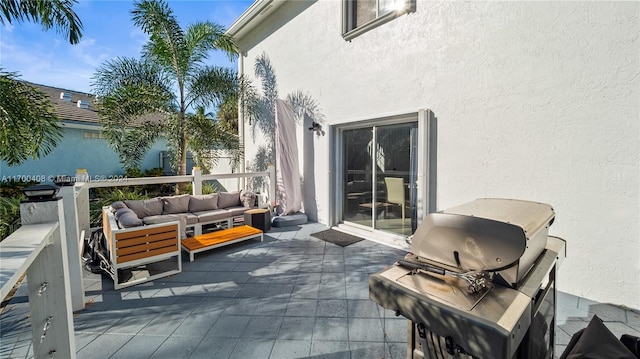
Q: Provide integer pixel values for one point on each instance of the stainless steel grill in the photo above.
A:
(479, 283)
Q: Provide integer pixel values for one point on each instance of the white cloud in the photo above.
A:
(46, 65)
(29, 61)
(89, 53)
(138, 38)
(75, 79)
(225, 13)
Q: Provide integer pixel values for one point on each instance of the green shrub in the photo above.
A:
(13, 188)
(101, 197)
(154, 172)
(9, 216)
(10, 196)
(208, 188)
(133, 173)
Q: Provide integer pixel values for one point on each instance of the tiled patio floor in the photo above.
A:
(290, 296)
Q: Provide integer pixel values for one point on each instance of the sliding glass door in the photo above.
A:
(379, 177)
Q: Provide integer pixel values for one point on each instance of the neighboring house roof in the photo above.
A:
(67, 109)
(254, 15)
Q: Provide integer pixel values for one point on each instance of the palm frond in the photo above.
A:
(212, 139)
(166, 44)
(136, 143)
(122, 72)
(247, 98)
(29, 126)
(130, 104)
(210, 85)
(264, 110)
(263, 158)
(304, 105)
(264, 71)
(56, 14)
(202, 37)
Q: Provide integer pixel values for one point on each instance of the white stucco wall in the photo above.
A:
(534, 100)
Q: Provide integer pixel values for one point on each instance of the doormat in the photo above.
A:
(336, 237)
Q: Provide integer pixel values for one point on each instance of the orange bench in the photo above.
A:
(216, 239)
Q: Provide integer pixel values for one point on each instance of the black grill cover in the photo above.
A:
(596, 342)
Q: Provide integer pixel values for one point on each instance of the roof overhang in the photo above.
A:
(252, 17)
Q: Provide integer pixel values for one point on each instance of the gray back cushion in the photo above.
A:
(145, 208)
(175, 204)
(117, 205)
(228, 199)
(126, 218)
(205, 202)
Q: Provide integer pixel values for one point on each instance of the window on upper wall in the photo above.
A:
(360, 16)
(94, 135)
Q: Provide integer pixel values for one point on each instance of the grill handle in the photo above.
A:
(413, 265)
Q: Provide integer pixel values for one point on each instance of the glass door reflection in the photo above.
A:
(357, 172)
(395, 178)
(379, 173)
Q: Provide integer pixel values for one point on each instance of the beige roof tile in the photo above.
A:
(69, 110)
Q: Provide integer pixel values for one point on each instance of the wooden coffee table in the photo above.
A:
(216, 239)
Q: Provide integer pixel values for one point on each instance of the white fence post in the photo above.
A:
(82, 200)
(48, 285)
(73, 246)
(196, 188)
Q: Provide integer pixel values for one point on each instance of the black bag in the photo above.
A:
(632, 343)
(596, 342)
(95, 251)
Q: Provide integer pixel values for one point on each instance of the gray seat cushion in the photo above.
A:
(237, 210)
(191, 219)
(211, 216)
(164, 218)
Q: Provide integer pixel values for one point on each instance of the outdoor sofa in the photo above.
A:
(192, 211)
(147, 233)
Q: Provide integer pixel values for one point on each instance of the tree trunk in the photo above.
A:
(183, 157)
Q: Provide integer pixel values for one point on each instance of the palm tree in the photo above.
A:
(56, 14)
(30, 127)
(171, 78)
(213, 135)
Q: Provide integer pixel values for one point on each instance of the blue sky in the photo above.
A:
(47, 57)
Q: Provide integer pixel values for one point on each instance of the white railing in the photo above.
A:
(84, 183)
(47, 248)
(39, 249)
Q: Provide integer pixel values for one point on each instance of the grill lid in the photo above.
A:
(484, 235)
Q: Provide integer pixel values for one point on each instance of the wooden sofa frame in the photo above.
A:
(150, 245)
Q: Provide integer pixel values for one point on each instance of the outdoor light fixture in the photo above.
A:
(41, 192)
(315, 127)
